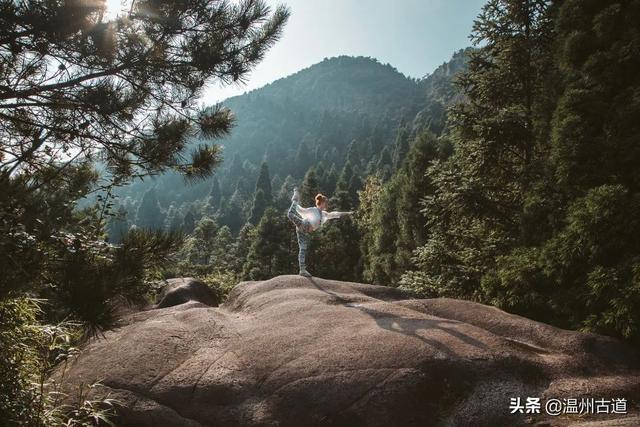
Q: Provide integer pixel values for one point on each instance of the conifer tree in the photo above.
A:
(396, 226)
(262, 197)
(215, 194)
(400, 148)
(302, 160)
(177, 222)
(149, 214)
(189, 222)
(80, 87)
(243, 245)
(223, 254)
(264, 182)
(310, 188)
(285, 193)
(233, 215)
(383, 167)
(270, 253)
(501, 139)
(260, 203)
(331, 179)
(201, 244)
(118, 225)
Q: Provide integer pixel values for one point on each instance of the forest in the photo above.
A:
(507, 176)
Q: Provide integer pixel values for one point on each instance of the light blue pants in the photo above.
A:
(303, 235)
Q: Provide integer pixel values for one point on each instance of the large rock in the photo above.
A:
(182, 290)
(297, 351)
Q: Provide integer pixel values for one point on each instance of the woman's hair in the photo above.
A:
(320, 198)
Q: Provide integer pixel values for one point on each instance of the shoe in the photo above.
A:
(305, 273)
(296, 195)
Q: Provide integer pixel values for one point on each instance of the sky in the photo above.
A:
(414, 36)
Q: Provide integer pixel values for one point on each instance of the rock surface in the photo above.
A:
(185, 289)
(298, 351)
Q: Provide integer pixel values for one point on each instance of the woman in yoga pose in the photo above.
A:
(308, 220)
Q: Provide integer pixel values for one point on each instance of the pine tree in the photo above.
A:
(270, 254)
(242, 187)
(149, 214)
(169, 218)
(397, 226)
(276, 184)
(177, 222)
(233, 215)
(263, 196)
(501, 139)
(331, 179)
(236, 170)
(80, 87)
(345, 177)
(353, 156)
(223, 255)
(310, 188)
(215, 195)
(383, 167)
(590, 262)
(284, 195)
(202, 243)
(243, 245)
(302, 160)
(118, 225)
(335, 252)
(189, 222)
(260, 203)
(400, 148)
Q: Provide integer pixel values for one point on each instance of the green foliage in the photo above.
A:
(119, 103)
(474, 212)
(224, 253)
(321, 118)
(536, 209)
(264, 182)
(260, 203)
(221, 281)
(595, 125)
(86, 276)
(18, 361)
(243, 245)
(29, 351)
(215, 195)
(334, 251)
(272, 251)
(310, 188)
(199, 246)
(149, 214)
(395, 227)
(233, 213)
(128, 88)
(189, 222)
(263, 196)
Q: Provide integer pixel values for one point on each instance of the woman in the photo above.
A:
(308, 220)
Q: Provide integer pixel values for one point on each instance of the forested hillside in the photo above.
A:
(343, 111)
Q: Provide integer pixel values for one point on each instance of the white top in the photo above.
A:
(316, 217)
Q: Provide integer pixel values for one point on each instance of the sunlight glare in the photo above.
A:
(115, 8)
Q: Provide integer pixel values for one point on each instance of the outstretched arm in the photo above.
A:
(335, 215)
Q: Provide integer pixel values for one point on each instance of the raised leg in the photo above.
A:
(294, 216)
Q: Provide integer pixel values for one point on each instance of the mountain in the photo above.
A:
(327, 105)
(343, 109)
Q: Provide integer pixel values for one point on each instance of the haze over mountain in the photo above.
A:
(311, 118)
